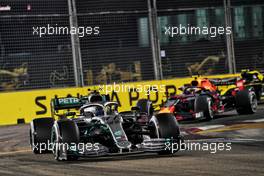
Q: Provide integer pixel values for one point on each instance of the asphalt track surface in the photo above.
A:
(246, 157)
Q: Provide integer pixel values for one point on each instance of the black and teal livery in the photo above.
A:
(96, 121)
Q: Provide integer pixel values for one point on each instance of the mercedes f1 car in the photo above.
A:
(203, 100)
(98, 129)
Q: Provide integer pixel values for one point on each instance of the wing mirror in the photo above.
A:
(135, 108)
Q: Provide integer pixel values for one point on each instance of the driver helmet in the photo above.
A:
(93, 111)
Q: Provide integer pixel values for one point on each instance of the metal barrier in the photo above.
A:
(23, 106)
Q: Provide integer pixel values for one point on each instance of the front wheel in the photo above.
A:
(65, 133)
(204, 104)
(165, 125)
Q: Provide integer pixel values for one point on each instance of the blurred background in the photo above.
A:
(131, 45)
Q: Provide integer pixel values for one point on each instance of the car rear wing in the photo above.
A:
(225, 81)
(252, 75)
(66, 103)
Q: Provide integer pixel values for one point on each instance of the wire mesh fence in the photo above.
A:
(248, 28)
(196, 46)
(29, 60)
(37, 48)
(117, 53)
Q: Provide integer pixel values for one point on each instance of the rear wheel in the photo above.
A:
(145, 106)
(258, 89)
(65, 133)
(40, 134)
(246, 102)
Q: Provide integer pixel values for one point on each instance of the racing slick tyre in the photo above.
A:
(145, 106)
(258, 95)
(258, 89)
(203, 103)
(40, 134)
(246, 102)
(166, 126)
(64, 134)
(259, 92)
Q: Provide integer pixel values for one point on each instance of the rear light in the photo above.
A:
(172, 108)
(240, 84)
(165, 110)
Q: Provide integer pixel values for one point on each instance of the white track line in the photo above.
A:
(209, 127)
(255, 121)
(14, 152)
(233, 140)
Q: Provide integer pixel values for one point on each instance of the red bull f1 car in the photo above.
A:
(202, 99)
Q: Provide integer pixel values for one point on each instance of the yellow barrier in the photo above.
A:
(28, 105)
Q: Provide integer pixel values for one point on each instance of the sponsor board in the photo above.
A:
(27, 105)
